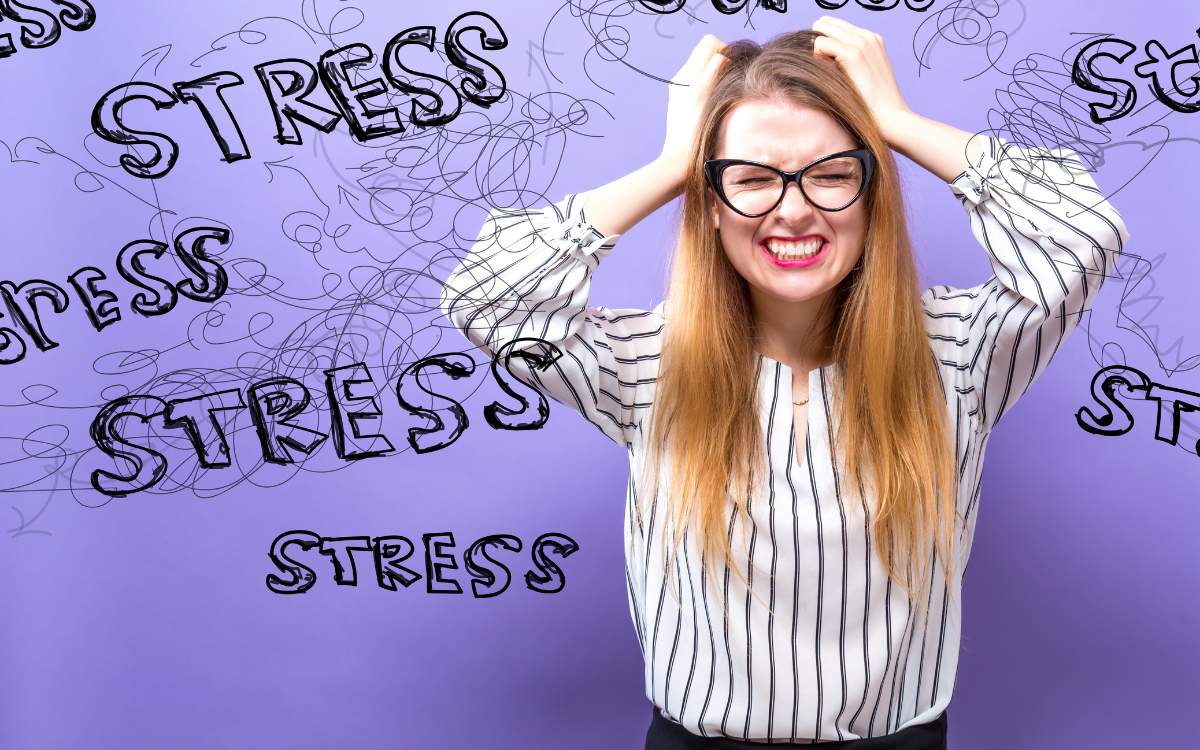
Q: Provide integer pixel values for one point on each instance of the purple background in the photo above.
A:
(145, 621)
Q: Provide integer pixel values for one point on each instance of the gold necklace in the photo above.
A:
(800, 403)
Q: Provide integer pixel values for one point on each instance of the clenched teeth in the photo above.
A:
(794, 250)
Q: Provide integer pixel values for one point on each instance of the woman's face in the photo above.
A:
(789, 137)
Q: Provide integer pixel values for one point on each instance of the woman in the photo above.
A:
(833, 616)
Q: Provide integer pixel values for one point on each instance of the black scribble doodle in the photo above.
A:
(689, 13)
(919, 6)
(1115, 386)
(243, 395)
(1134, 315)
(729, 7)
(42, 458)
(986, 24)
(330, 20)
(395, 189)
(489, 575)
(41, 22)
(609, 40)
(608, 23)
(33, 463)
(532, 59)
(603, 21)
(253, 32)
(35, 151)
(1040, 103)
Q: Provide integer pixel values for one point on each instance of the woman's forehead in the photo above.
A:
(781, 133)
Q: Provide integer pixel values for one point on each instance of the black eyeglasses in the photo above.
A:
(831, 183)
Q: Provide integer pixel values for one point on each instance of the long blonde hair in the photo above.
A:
(892, 422)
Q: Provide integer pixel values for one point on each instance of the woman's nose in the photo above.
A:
(794, 206)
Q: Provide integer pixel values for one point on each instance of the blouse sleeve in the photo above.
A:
(527, 276)
(1051, 238)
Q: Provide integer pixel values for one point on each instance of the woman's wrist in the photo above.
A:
(896, 126)
(617, 206)
(940, 148)
(671, 171)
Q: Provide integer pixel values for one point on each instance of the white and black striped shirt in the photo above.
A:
(844, 655)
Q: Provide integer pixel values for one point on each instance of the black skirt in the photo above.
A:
(665, 734)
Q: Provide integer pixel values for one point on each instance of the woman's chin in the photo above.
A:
(790, 292)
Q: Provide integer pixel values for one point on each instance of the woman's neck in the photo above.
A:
(791, 332)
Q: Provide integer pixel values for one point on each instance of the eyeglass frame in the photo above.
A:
(714, 168)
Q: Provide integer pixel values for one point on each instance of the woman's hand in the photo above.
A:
(689, 90)
(615, 207)
(942, 149)
(861, 54)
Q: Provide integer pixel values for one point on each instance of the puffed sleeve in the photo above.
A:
(1051, 238)
(527, 277)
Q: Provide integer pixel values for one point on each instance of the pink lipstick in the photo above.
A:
(799, 262)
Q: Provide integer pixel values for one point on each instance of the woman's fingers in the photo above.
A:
(836, 40)
(692, 86)
(862, 56)
(708, 46)
(708, 79)
(850, 42)
(832, 27)
(681, 75)
(850, 36)
(842, 27)
(827, 46)
(714, 65)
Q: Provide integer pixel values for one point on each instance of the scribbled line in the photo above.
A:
(609, 40)
(730, 7)
(376, 228)
(689, 12)
(612, 40)
(970, 24)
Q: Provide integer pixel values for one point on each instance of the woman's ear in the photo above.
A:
(716, 213)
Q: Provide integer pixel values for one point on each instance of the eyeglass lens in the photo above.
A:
(830, 185)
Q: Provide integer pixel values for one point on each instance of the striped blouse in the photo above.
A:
(840, 653)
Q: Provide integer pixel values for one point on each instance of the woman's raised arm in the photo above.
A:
(523, 285)
(942, 149)
(1049, 234)
(1051, 238)
(616, 207)
(523, 288)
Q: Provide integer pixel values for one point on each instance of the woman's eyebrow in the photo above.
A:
(799, 164)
